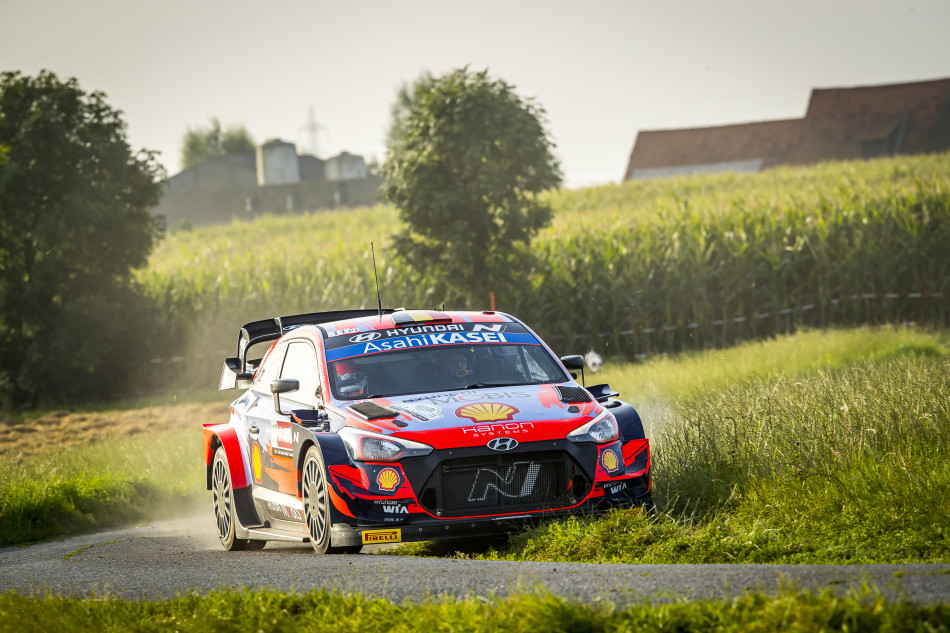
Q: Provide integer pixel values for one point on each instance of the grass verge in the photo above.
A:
(111, 482)
(263, 611)
(846, 464)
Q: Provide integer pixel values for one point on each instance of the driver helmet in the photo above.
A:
(351, 383)
(457, 362)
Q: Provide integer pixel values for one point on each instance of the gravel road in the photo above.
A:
(163, 559)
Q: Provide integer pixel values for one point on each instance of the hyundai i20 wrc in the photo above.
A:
(363, 427)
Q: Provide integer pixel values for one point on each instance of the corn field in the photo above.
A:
(673, 256)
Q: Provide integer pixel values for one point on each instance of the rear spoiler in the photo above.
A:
(235, 372)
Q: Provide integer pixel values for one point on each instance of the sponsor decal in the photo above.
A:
(257, 464)
(424, 329)
(425, 340)
(502, 443)
(454, 397)
(387, 479)
(395, 508)
(506, 428)
(487, 412)
(609, 460)
(365, 338)
(282, 452)
(613, 489)
(505, 484)
(287, 511)
(423, 411)
(348, 349)
(371, 537)
(481, 327)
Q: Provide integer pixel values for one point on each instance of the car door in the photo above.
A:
(262, 424)
(300, 364)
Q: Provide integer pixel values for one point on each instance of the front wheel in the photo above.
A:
(224, 515)
(316, 505)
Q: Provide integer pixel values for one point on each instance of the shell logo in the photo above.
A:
(387, 479)
(487, 412)
(609, 460)
(256, 464)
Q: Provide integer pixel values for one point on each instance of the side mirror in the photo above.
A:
(575, 361)
(245, 380)
(278, 387)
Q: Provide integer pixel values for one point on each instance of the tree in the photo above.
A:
(466, 160)
(74, 222)
(200, 144)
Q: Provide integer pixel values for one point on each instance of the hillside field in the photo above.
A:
(630, 270)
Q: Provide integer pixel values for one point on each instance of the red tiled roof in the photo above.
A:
(840, 124)
(765, 140)
(839, 121)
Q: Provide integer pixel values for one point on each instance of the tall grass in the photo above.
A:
(111, 482)
(846, 465)
(616, 260)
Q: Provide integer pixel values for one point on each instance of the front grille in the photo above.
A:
(519, 482)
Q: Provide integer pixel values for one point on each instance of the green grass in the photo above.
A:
(263, 611)
(842, 461)
(678, 376)
(113, 482)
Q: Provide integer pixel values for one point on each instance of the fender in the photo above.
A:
(334, 453)
(224, 435)
(631, 427)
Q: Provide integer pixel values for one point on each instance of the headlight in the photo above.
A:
(601, 430)
(366, 446)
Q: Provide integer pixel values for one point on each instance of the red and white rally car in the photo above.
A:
(371, 426)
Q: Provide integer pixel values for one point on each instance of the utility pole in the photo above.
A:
(312, 129)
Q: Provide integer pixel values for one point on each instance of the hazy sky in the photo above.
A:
(602, 69)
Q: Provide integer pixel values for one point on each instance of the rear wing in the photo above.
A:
(236, 372)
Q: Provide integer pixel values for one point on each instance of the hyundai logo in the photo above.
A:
(365, 338)
(502, 444)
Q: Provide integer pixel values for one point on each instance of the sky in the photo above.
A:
(601, 69)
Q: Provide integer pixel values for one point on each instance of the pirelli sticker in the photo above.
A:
(373, 537)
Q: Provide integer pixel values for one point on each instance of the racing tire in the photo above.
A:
(224, 514)
(316, 504)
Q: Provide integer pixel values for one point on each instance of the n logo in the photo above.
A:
(516, 482)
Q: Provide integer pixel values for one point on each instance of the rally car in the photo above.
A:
(383, 426)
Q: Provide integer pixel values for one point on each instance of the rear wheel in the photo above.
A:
(224, 514)
(316, 505)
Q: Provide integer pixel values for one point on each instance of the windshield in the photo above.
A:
(442, 368)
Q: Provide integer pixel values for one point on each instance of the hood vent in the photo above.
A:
(572, 394)
(372, 411)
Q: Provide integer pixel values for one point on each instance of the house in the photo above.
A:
(273, 179)
(839, 124)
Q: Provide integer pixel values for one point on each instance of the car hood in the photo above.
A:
(470, 417)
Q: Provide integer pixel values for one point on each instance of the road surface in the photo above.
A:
(163, 559)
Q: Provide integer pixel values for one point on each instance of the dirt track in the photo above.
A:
(64, 428)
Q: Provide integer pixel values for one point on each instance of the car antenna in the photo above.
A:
(379, 301)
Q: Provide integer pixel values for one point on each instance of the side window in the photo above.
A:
(301, 364)
(269, 372)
